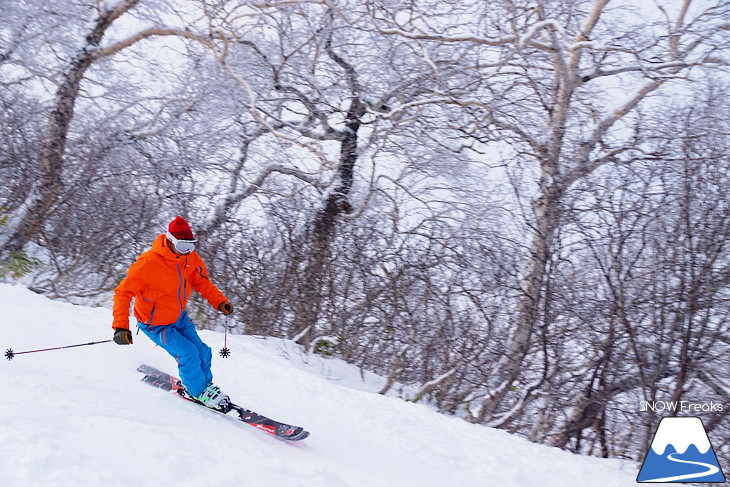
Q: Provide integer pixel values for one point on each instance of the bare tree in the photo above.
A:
(550, 77)
(25, 221)
(323, 126)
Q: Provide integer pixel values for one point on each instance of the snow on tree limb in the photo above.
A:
(148, 33)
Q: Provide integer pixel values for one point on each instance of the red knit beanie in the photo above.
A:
(179, 228)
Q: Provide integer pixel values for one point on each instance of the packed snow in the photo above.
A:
(82, 417)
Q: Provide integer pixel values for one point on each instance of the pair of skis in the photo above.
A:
(167, 382)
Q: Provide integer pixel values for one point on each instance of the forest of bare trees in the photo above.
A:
(519, 209)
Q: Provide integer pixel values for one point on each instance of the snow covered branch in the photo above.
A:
(145, 34)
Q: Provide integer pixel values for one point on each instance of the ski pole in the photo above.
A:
(9, 354)
(225, 352)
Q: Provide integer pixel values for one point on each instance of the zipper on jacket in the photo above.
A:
(152, 316)
(185, 281)
(180, 287)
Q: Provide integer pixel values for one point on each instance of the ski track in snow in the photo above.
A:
(81, 417)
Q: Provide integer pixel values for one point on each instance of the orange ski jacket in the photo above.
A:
(161, 282)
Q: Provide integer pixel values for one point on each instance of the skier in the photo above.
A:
(160, 281)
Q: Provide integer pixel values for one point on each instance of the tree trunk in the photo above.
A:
(25, 222)
(323, 229)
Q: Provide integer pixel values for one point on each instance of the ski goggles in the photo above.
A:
(182, 246)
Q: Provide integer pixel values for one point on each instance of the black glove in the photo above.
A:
(122, 336)
(226, 308)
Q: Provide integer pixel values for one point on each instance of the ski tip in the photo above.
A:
(298, 437)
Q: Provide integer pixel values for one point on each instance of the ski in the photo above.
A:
(167, 382)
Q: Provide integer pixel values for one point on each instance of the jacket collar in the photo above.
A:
(159, 246)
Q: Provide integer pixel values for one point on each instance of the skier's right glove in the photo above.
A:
(122, 336)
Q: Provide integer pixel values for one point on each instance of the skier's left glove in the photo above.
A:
(226, 308)
(122, 336)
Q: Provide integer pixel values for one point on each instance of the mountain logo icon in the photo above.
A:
(681, 452)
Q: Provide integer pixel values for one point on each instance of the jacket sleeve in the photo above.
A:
(203, 285)
(131, 286)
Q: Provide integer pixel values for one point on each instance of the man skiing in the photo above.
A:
(161, 281)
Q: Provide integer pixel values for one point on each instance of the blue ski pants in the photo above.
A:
(193, 357)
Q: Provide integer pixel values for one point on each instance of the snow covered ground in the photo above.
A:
(81, 417)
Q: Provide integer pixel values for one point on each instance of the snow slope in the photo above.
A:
(82, 417)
